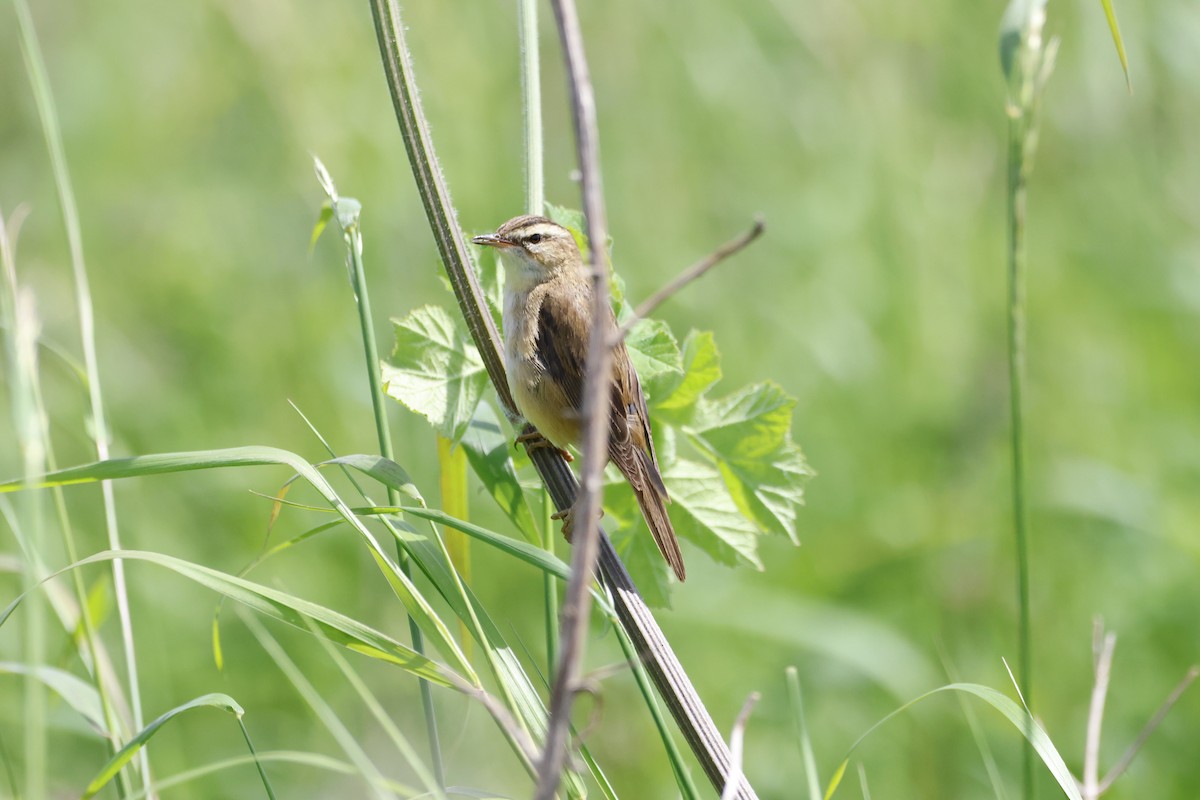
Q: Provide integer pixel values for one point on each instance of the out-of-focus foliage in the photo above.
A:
(870, 134)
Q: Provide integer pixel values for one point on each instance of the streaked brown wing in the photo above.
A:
(560, 349)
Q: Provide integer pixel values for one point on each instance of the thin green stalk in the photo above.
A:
(682, 777)
(44, 100)
(535, 203)
(531, 97)
(550, 585)
(358, 281)
(1027, 59)
(1016, 377)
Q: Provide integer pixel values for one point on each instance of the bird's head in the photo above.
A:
(535, 247)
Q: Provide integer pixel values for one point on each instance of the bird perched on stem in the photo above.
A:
(547, 322)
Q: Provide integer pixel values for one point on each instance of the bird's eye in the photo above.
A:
(535, 238)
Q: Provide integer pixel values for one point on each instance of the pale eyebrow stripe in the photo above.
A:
(541, 227)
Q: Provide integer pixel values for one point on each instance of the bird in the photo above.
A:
(547, 319)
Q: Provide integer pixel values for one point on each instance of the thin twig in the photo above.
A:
(577, 600)
(690, 274)
(736, 737)
(1151, 726)
(651, 645)
(1103, 646)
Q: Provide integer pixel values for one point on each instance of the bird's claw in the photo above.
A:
(567, 516)
(532, 439)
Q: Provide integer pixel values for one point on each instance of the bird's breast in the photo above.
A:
(540, 400)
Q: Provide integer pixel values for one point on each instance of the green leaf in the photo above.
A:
(490, 455)
(653, 349)
(435, 370)
(674, 395)
(704, 513)
(748, 436)
(123, 756)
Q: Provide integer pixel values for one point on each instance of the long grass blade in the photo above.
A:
(293, 610)
(1020, 718)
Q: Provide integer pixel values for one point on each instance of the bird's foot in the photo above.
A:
(532, 439)
(568, 520)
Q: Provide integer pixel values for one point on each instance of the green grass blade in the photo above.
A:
(78, 694)
(1111, 16)
(134, 745)
(1021, 719)
(418, 608)
(806, 751)
(337, 627)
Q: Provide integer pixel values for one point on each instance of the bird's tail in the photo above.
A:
(652, 497)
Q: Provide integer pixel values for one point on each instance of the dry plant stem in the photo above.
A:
(694, 721)
(736, 739)
(652, 646)
(733, 246)
(577, 599)
(1103, 647)
(1151, 726)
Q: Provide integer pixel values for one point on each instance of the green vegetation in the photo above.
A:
(868, 324)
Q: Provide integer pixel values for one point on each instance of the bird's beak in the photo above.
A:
(492, 240)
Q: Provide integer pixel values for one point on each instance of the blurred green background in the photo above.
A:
(870, 135)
